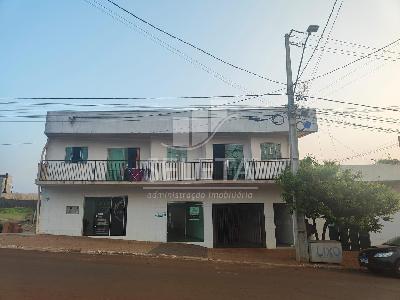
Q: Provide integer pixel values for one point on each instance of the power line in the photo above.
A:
(141, 98)
(184, 111)
(354, 45)
(354, 104)
(351, 53)
(164, 44)
(365, 74)
(321, 53)
(354, 116)
(319, 40)
(333, 138)
(361, 66)
(361, 126)
(18, 144)
(352, 62)
(249, 96)
(192, 45)
(362, 154)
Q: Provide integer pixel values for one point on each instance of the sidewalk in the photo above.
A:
(59, 243)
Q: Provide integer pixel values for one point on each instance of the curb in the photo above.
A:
(170, 256)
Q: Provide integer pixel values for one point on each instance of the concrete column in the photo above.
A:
(269, 225)
(208, 225)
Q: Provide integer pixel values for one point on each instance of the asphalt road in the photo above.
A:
(40, 275)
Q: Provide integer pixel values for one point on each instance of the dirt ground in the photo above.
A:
(284, 256)
(44, 275)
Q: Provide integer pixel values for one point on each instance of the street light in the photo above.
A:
(301, 241)
(312, 28)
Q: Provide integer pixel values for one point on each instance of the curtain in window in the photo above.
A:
(76, 154)
(116, 163)
(270, 151)
(174, 154)
(234, 154)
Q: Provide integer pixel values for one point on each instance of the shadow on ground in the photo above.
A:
(180, 250)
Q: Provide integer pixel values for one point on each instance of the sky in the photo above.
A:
(69, 48)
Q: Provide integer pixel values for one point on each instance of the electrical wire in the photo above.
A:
(352, 44)
(354, 104)
(18, 144)
(362, 154)
(164, 44)
(354, 70)
(140, 98)
(321, 53)
(361, 126)
(353, 62)
(224, 105)
(193, 45)
(319, 40)
(349, 52)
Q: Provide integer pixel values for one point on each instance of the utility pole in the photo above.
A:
(300, 238)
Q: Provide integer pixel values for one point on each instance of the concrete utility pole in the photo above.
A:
(300, 238)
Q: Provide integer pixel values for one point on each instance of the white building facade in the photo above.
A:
(202, 177)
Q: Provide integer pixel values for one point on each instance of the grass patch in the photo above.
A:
(15, 214)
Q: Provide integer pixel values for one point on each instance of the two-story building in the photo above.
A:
(203, 176)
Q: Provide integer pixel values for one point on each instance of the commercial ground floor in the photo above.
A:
(206, 215)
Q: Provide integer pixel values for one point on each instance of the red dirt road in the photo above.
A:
(41, 275)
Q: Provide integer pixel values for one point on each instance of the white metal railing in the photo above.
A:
(160, 170)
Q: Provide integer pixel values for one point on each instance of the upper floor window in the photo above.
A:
(270, 151)
(76, 154)
(176, 154)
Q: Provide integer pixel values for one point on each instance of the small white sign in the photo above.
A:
(326, 252)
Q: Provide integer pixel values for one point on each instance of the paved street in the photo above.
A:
(40, 275)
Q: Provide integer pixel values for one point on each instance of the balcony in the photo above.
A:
(159, 170)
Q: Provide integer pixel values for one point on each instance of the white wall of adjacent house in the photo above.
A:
(146, 214)
(390, 229)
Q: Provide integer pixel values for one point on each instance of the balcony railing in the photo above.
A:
(160, 170)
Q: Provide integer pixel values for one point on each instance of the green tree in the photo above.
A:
(388, 161)
(339, 196)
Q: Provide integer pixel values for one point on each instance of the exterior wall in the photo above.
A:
(144, 210)
(377, 172)
(97, 147)
(270, 120)
(390, 229)
(153, 147)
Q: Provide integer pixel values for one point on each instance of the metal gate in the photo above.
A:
(239, 225)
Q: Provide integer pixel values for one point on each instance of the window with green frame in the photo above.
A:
(176, 154)
(76, 154)
(270, 151)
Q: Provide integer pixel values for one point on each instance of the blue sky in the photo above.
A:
(67, 48)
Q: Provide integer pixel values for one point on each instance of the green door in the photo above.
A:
(234, 154)
(116, 164)
(185, 222)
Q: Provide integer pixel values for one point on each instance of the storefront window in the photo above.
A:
(105, 216)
